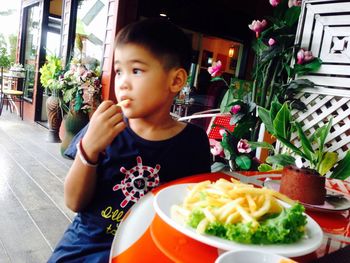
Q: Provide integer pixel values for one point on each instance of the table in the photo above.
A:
(14, 84)
(180, 107)
(145, 236)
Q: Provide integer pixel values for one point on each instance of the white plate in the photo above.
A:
(174, 195)
(333, 202)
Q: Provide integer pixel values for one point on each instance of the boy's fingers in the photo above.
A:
(104, 106)
(115, 119)
(112, 111)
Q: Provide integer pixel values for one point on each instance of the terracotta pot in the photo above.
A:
(54, 118)
(304, 185)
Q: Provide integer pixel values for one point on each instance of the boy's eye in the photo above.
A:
(118, 72)
(137, 71)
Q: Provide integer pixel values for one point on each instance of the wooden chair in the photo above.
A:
(216, 122)
(12, 91)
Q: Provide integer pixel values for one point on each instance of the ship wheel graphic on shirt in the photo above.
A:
(138, 180)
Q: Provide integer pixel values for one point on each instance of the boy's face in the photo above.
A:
(141, 78)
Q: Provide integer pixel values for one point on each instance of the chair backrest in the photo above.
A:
(217, 122)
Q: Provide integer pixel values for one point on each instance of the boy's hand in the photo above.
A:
(105, 124)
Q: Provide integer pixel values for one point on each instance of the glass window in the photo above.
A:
(90, 30)
(53, 39)
(31, 43)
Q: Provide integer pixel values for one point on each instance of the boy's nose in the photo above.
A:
(123, 83)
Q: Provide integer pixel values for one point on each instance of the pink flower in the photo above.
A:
(216, 148)
(257, 26)
(215, 69)
(272, 42)
(235, 109)
(243, 146)
(304, 56)
(274, 2)
(294, 3)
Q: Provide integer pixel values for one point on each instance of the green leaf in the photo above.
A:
(315, 137)
(216, 79)
(235, 118)
(342, 171)
(264, 167)
(243, 162)
(292, 15)
(264, 145)
(327, 163)
(78, 103)
(281, 123)
(281, 159)
(280, 9)
(269, 53)
(309, 152)
(265, 117)
(226, 100)
(243, 128)
(323, 135)
(275, 108)
(291, 146)
(302, 69)
(227, 144)
(69, 95)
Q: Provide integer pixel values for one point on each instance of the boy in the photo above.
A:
(127, 152)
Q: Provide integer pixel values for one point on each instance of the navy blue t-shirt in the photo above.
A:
(130, 167)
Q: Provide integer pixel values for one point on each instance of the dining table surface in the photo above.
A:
(144, 235)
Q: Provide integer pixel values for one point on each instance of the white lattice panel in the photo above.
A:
(321, 108)
(324, 28)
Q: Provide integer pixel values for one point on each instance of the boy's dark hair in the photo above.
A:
(162, 38)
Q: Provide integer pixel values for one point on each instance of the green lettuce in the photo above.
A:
(284, 228)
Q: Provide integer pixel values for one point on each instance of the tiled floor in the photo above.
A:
(33, 215)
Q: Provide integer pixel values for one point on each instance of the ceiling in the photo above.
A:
(221, 18)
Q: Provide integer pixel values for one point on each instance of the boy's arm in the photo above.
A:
(105, 124)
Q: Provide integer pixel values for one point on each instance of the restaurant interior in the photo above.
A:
(34, 170)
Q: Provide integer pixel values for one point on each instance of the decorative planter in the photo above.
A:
(54, 118)
(73, 123)
(304, 185)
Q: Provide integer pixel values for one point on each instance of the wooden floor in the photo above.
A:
(33, 215)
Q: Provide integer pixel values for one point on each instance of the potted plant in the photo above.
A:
(80, 88)
(5, 61)
(319, 161)
(278, 61)
(50, 72)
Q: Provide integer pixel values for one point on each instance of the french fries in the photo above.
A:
(228, 202)
(123, 103)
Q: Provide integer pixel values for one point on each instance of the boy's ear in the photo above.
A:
(179, 79)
